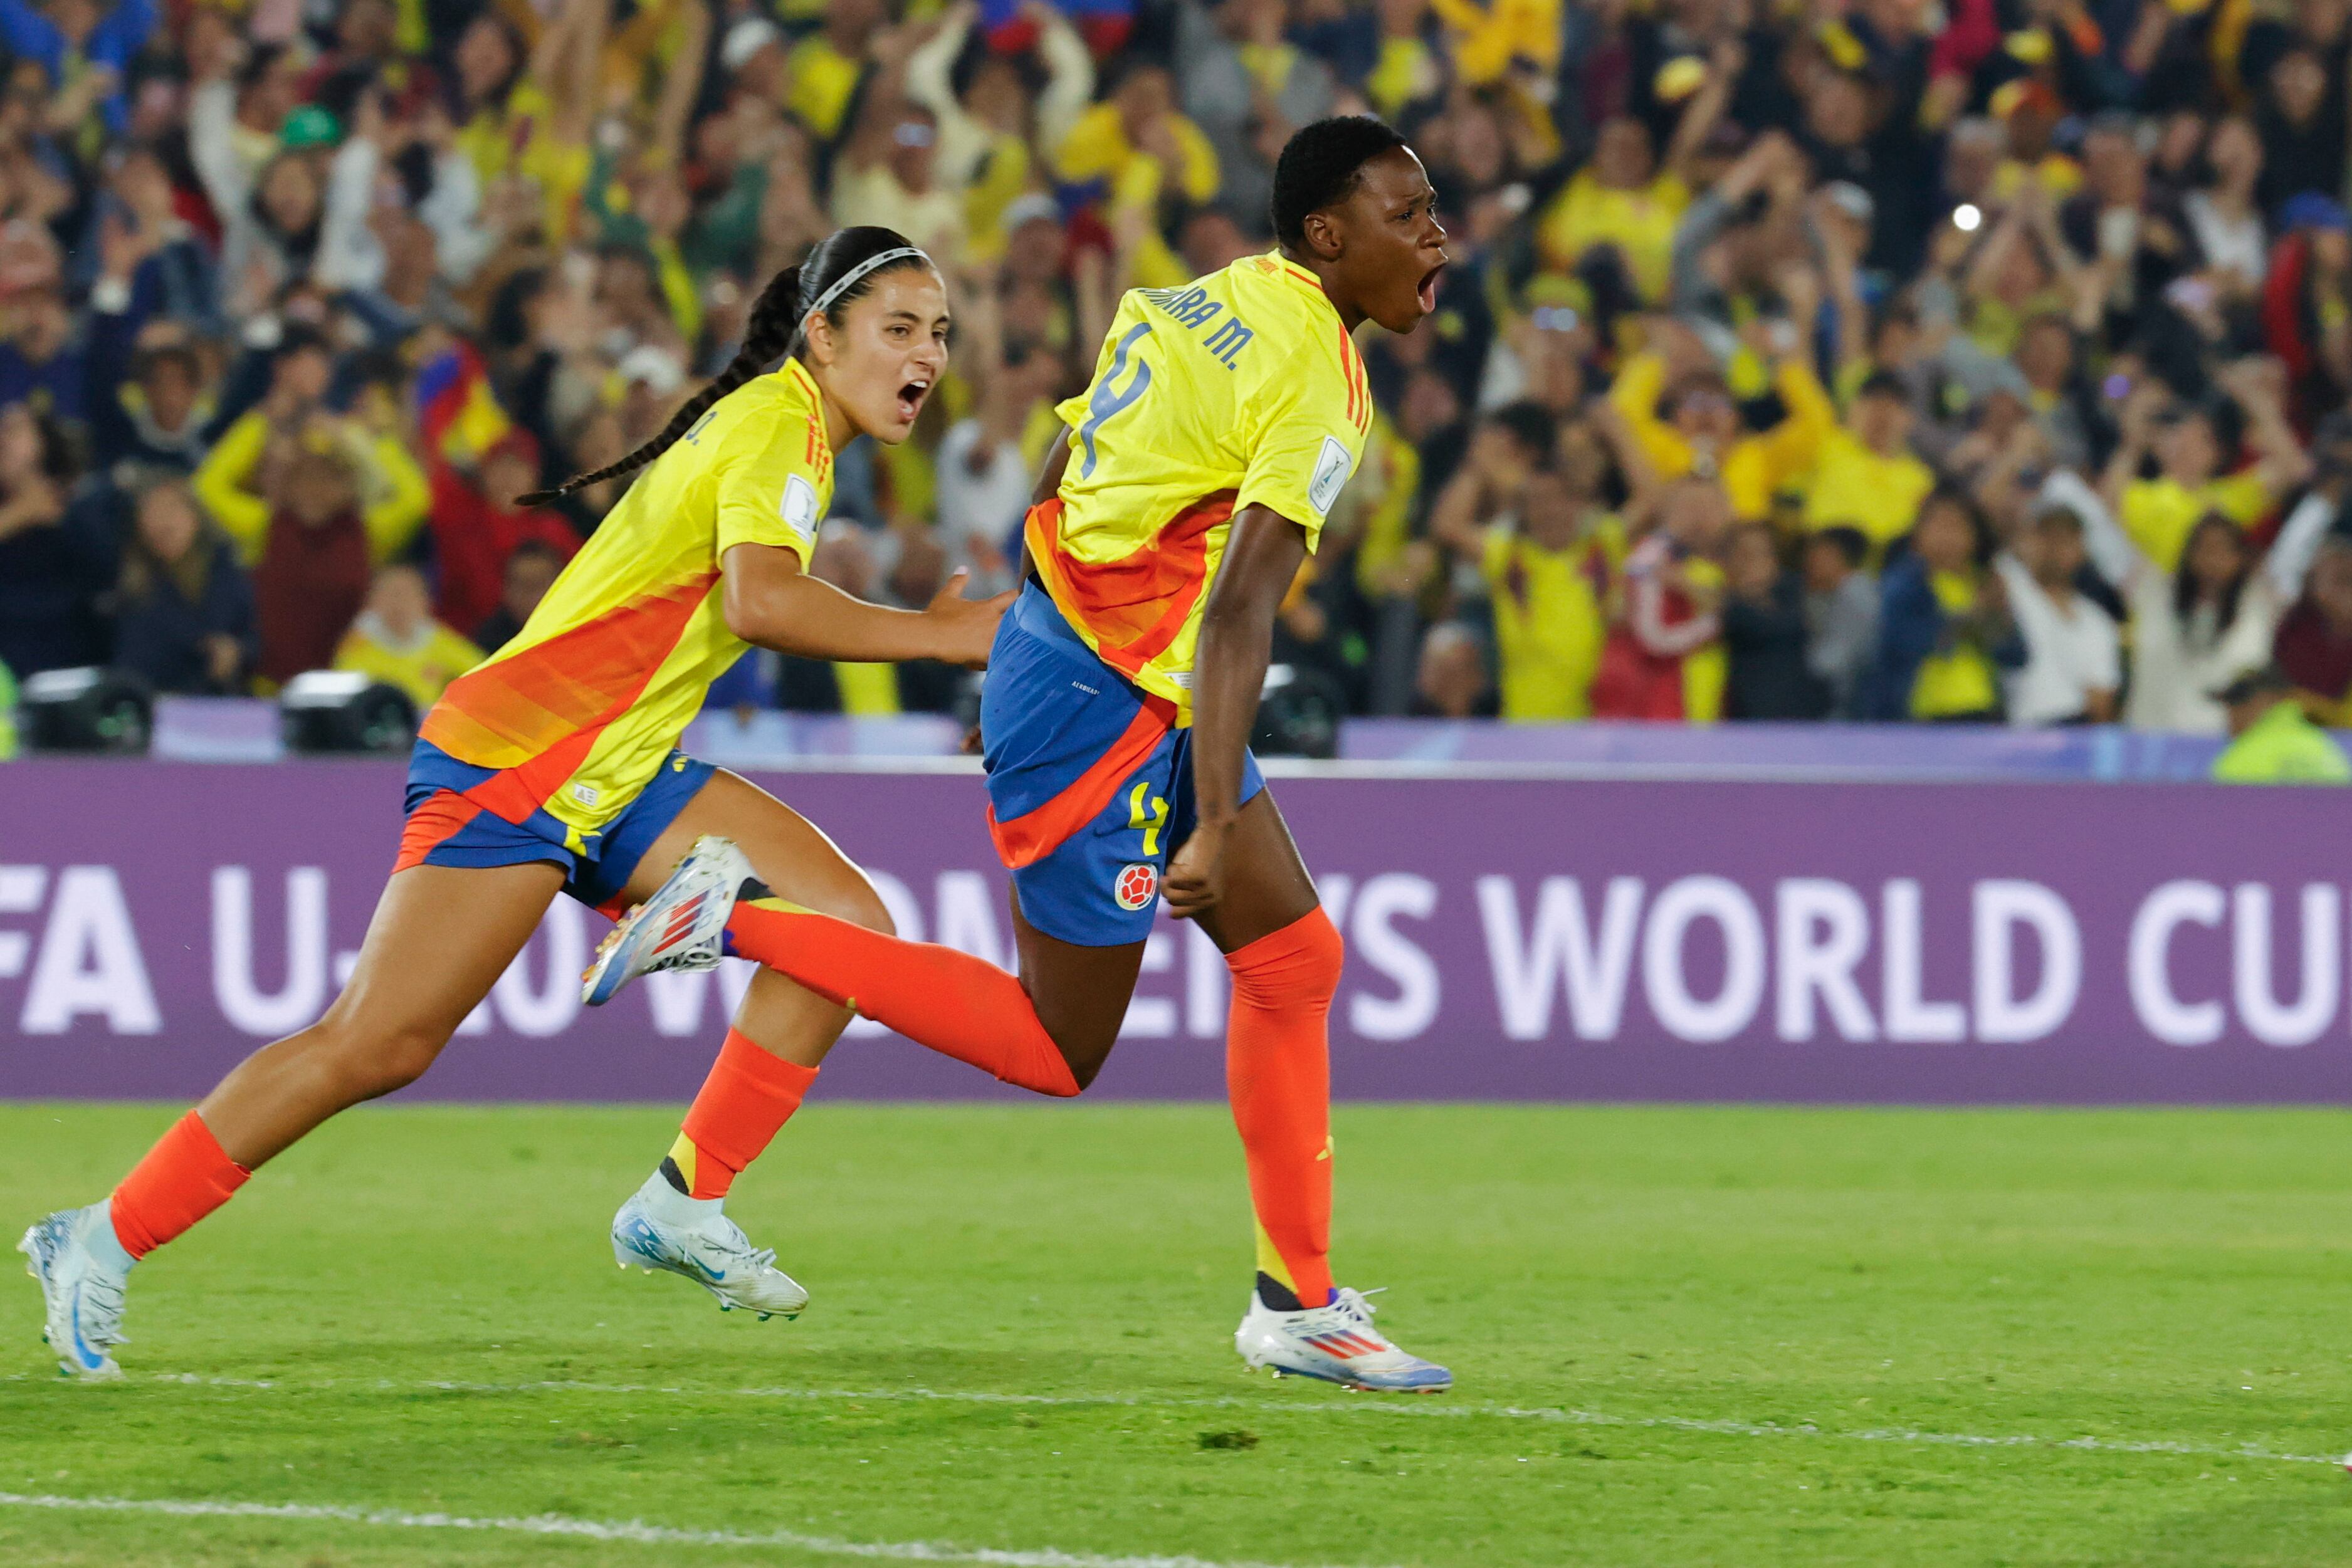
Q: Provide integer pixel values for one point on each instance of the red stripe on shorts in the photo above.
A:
(433, 824)
(1039, 832)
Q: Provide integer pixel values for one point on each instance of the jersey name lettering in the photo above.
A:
(1191, 306)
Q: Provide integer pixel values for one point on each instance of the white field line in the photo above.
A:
(633, 1530)
(1423, 1407)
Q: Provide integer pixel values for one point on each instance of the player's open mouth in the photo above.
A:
(911, 398)
(1429, 288)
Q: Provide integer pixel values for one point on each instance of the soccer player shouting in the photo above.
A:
(553, 768)
(1175, 510)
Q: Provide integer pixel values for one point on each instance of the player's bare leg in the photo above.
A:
(780, 1034)
(440, 938)
(1079, 994)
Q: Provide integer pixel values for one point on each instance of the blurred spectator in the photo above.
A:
(1452, 681)
(1702, 430)
(988, 460)
(2314, 646)
(1841, 614)
(476, 529)
(2223, 215)
(1549, 569)
(1310, 636)
(1248, 84)
(395, 640)
(1945, 632)
(53, 562)
(2052, 391)
(530, 571)
(1136, 148)
(241, 481)
(2159, 513)
(314, 571)
(184, 608)
(1666, 660)
(886, 177)
(1764, 633)
(2200, 626)
(83, 49)
(2300, 117)
(1623, 206)
(2072, 667)
(1527, 533)
(1867, 477)
(2273, 741)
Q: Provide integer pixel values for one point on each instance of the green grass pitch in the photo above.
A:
(1749, 1337)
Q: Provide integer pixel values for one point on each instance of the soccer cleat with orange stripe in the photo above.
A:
(682, 926)
(1336, 1343)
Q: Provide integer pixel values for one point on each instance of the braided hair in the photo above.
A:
(777, 328)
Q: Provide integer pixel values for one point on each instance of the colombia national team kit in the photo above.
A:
(1240, 389)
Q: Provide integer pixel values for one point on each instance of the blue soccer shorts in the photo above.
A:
(1090, 780)
(452, 822)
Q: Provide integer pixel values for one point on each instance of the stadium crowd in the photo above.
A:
(1869, 358)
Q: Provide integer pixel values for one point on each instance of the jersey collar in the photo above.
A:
(1304, 279)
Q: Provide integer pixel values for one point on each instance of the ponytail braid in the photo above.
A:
(774, 326)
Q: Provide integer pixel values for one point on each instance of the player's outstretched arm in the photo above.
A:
(771, 602)
(1263, 555)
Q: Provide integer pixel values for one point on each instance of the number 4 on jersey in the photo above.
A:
(1110, 397)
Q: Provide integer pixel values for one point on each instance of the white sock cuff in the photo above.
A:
(673, 1207)
(104, 1245)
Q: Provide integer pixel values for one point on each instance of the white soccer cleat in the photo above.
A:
(82, 1268)
(661, 1227)
(1336, 1343)
(682, 926)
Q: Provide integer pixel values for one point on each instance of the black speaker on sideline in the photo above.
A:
(1298, 714)
(342, 710)
(86, 709)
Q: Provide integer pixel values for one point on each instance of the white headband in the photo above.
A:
(870, 264)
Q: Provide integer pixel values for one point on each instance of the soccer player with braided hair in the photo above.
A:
(1174, 513)
(553, 768)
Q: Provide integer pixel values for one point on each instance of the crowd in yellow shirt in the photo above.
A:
(1742, 305)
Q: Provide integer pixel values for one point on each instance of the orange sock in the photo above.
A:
(746, 1101)
(1279, 1074)
(957, 1005)
(184, 1177)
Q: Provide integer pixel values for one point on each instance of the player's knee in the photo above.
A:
(373, 1062)
(408, 1054)
(1082, 1045)
(855, 902)
(1085, 1069)
(865, 907)
(1296, 967)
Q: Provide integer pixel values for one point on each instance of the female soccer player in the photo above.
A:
(553, 768)
(1172, 518)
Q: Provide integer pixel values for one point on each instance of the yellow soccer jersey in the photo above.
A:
(1240, 389)
(585, 702)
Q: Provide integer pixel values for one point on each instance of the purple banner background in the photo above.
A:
(160, 920)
